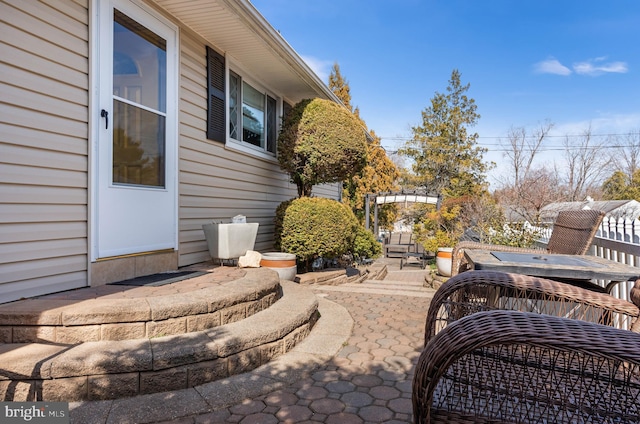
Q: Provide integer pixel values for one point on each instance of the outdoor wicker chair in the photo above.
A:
(518, 367)
(572, 234)
(475, 291)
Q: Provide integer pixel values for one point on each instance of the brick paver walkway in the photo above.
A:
(369, 380)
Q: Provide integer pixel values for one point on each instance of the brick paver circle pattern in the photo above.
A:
(368, 381)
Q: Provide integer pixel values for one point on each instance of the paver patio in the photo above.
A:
(367, 381)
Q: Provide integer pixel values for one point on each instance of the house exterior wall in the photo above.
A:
(43, 147)
(217, 182)
(45, 158)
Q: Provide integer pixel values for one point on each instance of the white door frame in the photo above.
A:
(101, 15)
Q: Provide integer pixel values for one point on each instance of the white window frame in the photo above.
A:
(240, 145)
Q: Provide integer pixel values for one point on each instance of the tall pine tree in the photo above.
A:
(445, 155)
(340, 87)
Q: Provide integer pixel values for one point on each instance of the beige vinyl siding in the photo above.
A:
(43, 147)
(332, 191)
(217, 182)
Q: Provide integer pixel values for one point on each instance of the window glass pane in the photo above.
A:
(138, 146)
(234, 95)
(252, 115)
(139, 63)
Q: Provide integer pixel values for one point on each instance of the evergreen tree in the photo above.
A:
(618, 187)
(446, 160)
(380, 174)
(445, 155)
(340, 87)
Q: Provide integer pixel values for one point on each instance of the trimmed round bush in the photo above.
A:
(320, 142)
(313, 227)
(278, 223)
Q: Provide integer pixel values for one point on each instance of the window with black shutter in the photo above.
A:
(216, 113)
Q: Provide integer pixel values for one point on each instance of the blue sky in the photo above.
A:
(573, 63)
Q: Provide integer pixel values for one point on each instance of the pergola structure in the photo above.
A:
(414, 196)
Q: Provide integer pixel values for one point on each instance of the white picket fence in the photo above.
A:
(617, 240)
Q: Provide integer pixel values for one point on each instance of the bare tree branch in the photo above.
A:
(587, 165)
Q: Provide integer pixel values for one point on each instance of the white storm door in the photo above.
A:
(137, 140)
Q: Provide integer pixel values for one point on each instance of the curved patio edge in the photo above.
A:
(325, 340)
(115, 369)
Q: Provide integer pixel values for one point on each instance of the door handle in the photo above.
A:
(104, 114)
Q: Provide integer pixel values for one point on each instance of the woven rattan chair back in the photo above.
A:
(635, 298)
(523, 368)
(573, 231)
(572, 234)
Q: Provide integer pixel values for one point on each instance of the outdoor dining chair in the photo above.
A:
(510, 348)
(518, 367)
(476, 291)
(572, 234)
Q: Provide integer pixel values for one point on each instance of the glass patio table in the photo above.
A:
(578, 270)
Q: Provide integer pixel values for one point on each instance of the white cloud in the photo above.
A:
(551, 66)
(598, 66)
(604, 123)
(322, 68)
(590, 67)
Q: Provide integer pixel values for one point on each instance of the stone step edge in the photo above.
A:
(71, 322)
(358, 288)
(114, 369)
(325, 340)
(335, 277)
(397, 283)
(409, 288)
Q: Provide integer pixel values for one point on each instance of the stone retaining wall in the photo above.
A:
(113, 369)
(68, 322)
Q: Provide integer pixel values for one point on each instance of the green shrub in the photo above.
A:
(365, 244)
(313, 227)
(439, 228)
(320, 142)
(278, 222)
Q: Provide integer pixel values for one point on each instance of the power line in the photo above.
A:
(400, 138)
(504, 147)
(541, 149)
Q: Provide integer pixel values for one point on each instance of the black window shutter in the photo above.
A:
(272, 135)
(216, 113)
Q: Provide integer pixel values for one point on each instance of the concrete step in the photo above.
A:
(100, 370)
(383, 287)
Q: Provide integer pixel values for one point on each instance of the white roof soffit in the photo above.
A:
(237, 29)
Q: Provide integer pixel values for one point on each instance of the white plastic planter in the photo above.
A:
(230, 241)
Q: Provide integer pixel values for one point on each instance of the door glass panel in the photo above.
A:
(139, 104)
(138, 146)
